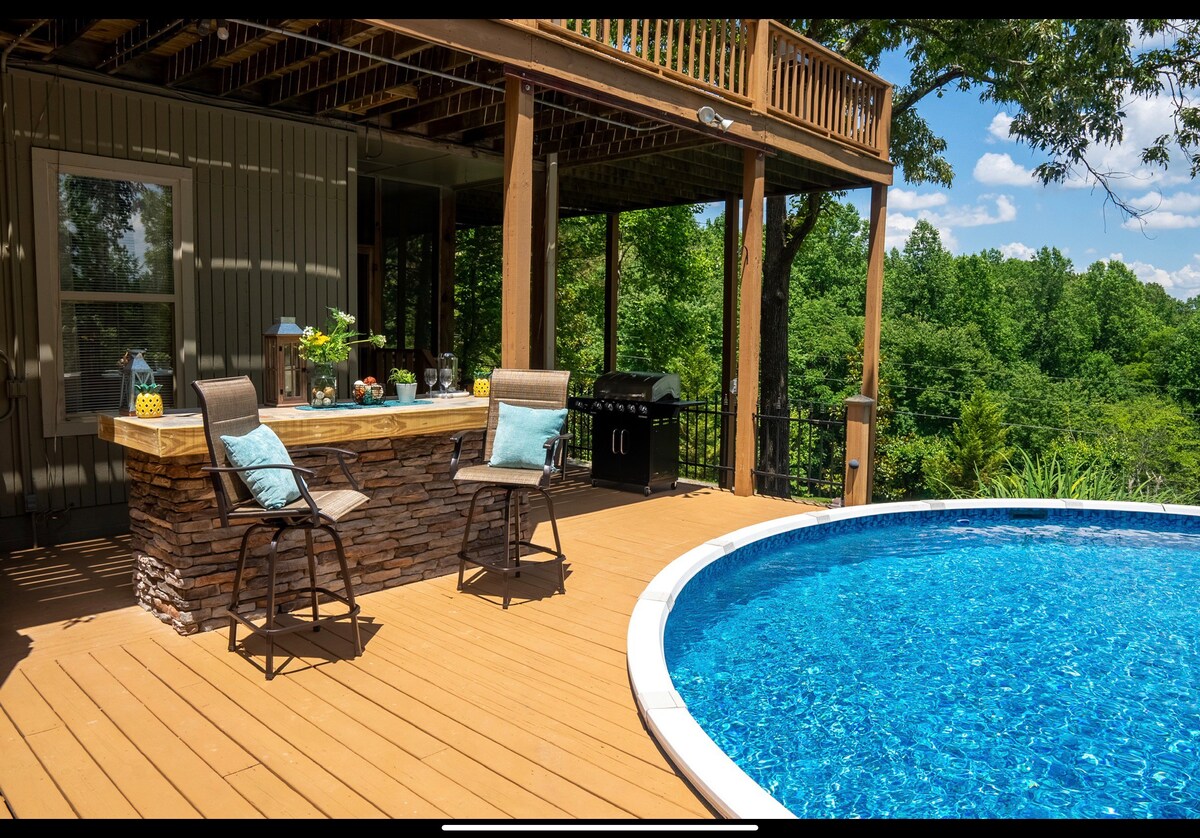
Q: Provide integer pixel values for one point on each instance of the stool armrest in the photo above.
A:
(341, 454)
(457, 439)
(551, 447)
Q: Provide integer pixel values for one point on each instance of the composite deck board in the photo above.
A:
(530, 678)
(468, 692)
(186, 771)
(119, 755)
(457, 708)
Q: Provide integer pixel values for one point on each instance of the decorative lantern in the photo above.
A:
(282, 366)
(134, 373)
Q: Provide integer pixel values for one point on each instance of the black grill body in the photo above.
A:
(635, 429)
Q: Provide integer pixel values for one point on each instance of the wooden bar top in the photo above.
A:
(180, 432)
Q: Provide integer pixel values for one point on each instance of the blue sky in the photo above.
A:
(996, 202)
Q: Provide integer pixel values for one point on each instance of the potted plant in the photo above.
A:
(406, 385)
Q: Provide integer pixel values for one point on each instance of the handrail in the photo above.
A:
(805, 83)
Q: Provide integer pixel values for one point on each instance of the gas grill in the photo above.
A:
(635, 428)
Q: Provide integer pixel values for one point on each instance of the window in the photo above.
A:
(114, 271)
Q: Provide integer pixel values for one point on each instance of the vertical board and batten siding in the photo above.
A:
(274, 203)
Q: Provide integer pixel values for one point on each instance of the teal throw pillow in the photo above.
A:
(274, 488)
(521, 434)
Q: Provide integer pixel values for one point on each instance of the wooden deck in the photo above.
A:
(457, 709)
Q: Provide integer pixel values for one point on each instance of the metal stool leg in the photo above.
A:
(562, 574)
(270, 622)
(237, 584)
(312, 573)
(462, 553)
(341, 557)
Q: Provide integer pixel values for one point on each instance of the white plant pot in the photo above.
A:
(406, 393)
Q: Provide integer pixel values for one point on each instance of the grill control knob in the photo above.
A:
(620, 407)
(642, 409)
(608, 406)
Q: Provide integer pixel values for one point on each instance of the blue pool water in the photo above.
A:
(940, 665)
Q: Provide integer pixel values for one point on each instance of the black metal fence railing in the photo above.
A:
(813, 435)
(579, 422)
(700, 455)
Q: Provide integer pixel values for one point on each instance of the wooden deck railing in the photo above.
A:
(801, 82)
(817, 87)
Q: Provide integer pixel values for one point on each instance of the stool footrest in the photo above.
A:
(305, 622)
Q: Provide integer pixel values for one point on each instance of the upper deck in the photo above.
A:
(616, 100)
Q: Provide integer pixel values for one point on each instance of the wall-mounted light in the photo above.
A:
(708, 116)
(206, 26)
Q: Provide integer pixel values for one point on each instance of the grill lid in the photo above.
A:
(637, 386)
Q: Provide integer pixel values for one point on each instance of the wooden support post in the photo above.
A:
(537, 274)
(860, 425)
(518, 216)
(444, 340)
(753, 195)
(550, 333)
(729, 344)
(758, 63)
(612, 282)
(874, 302)
(872, 317)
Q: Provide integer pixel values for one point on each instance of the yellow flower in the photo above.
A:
(320, 339)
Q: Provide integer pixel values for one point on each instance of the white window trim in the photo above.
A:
(46, 166)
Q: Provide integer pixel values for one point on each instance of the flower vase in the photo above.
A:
(322, 384)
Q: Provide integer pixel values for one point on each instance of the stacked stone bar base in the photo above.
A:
(184, 559)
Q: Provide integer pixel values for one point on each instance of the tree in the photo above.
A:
(1068, 81)
(976, 452)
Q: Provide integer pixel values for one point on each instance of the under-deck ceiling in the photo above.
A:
(425, 112)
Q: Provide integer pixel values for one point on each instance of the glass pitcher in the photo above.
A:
(448, 372)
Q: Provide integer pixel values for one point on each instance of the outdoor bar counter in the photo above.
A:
(184, 560)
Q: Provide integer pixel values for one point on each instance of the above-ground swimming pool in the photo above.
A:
(981, 659)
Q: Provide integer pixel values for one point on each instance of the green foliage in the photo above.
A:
(1054, 477)
(399, 376)
(332, 345)
(1091, 373)
(976, 450)
(477, 283)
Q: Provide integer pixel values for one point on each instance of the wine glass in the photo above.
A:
(447, 377)
(431, 377)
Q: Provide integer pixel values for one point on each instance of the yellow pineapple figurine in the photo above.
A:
(483, 385)
(149, 402)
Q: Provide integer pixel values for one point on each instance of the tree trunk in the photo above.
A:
(774, 460)
(783, 235)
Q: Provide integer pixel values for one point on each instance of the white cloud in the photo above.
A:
(978, 215)
(1183, 283)
(1017, 250)
(1162, 221)
(998, 129)
(1180, 211)
(999, 169)
(904, 199)
(900, 227)
(1179, 202)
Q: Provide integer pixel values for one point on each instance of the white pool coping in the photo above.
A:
(724, 785)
